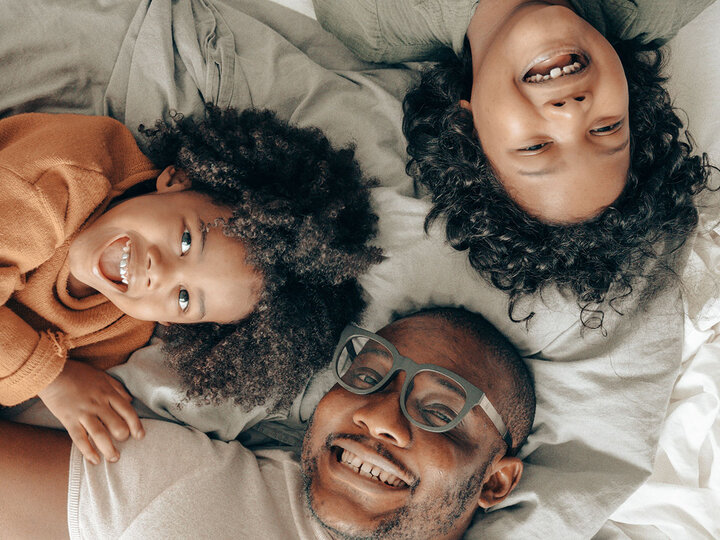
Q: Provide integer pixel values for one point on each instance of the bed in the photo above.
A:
(626, 435)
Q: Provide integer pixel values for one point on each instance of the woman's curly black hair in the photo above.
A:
(302, 209)
(597, 260)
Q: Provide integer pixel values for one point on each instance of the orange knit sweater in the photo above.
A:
(57, 174)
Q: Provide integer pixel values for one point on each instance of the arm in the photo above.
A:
(34, 471)
(397, 30)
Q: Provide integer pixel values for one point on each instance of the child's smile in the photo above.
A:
(114, 262)
(154, 258)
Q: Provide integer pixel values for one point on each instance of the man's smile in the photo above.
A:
(367, 463)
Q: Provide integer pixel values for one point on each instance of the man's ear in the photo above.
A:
(504, 476)
(465, 104)
(172, 179)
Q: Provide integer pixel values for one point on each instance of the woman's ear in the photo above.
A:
(465, 104)
(504, 476)
(172, 179)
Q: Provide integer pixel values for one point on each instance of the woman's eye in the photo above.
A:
(534, 147)
(183, 299)
(185, 242)
(607, 129)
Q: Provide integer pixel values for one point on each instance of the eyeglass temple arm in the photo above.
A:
(496, 419)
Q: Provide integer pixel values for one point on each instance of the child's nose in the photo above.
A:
(159, 269)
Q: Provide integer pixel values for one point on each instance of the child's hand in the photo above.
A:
(92, 405)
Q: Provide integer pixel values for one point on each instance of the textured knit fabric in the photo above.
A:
(58, 173)
(178, 483)
(408, 30)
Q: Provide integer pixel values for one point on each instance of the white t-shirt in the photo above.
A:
(178, 483)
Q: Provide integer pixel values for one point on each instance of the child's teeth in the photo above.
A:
(124, 263)
(555, 72)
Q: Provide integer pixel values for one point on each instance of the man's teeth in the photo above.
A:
(124, 262)
(369, 470)
(554, 73)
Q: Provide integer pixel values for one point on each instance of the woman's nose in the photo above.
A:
(576, 103)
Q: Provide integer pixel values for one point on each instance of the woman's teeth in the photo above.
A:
(555, 73)
(124, 262)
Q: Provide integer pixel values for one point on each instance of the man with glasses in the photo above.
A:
(420, 432)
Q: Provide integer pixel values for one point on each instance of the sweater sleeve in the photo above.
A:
(397, 30)
(31, 229)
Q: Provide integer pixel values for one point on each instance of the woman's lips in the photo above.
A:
(551, 66)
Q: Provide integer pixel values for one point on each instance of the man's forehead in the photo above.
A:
(429, 339)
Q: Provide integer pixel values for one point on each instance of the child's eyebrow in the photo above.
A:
(201, 304)
(200, 293)
(203, 234)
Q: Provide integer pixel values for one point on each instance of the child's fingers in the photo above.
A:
(101, 438)
(80, 438)
(129, 415)
(120, 388)
(114, 423)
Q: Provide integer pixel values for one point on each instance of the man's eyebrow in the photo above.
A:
(452, 385)
(447, 383)
(379, 349)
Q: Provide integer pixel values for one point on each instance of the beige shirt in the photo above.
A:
(177, 483)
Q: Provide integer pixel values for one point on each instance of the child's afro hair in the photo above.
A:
(302, 209)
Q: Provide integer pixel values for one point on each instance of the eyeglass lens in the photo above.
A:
(432, 399)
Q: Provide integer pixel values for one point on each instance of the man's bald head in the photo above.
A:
(370, 472)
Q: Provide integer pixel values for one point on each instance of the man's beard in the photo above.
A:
(429, 519)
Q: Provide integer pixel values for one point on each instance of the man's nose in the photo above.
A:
(382, 417)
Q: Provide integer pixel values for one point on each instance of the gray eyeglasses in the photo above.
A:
(432, 398)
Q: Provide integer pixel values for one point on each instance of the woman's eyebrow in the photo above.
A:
(541, 172)
(618, 148)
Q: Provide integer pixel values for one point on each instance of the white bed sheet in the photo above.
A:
(681, 499)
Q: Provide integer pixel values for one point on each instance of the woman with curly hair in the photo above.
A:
(546, 141)
(247, 244)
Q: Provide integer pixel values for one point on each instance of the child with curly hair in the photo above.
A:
(543, 134)
(247, 243)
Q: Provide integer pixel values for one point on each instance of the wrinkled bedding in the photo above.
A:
(604, 402)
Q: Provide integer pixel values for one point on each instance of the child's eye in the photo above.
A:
(185, 242)
(183, 299)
